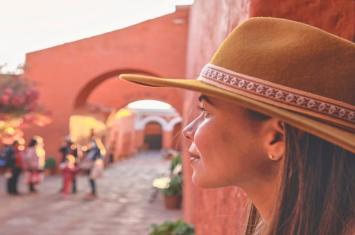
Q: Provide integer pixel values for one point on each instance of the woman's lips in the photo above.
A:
(194, 157)
(194, 153)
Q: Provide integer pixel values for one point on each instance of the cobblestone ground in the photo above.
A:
(122, 207)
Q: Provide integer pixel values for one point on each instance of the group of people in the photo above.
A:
(88, 159)
(17, 159)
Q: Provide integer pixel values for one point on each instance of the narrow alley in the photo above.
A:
(123, 205)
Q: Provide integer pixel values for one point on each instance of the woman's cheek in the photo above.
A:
(204, 137)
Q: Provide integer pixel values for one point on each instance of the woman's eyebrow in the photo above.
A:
(204, 98)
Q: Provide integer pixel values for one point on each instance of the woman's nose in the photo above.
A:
(189, 130)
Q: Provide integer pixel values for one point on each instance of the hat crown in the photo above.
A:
(291, 54)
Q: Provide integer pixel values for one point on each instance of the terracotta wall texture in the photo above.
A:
(121, 137)
(221, 211)
(70, 75)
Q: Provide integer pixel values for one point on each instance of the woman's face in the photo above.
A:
(227, 146)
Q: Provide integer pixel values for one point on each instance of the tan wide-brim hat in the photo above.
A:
(284, 69)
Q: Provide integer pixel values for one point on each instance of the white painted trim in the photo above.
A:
(173, 122)
(141, 123)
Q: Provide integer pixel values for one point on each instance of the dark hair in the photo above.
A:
(33, 142)
(317, 194)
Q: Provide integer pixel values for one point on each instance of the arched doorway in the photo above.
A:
(140, 125)
(153, 136)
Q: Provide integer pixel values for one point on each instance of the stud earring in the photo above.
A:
(271, 156)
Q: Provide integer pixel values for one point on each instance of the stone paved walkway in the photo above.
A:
(122, 207)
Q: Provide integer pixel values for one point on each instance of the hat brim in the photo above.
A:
(338, 136)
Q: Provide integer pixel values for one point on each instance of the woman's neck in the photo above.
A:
(264, 195)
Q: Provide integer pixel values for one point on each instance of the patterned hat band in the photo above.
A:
(279, 95)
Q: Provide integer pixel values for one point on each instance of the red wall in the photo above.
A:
(152, 128)
(69, 75)
(220, 211)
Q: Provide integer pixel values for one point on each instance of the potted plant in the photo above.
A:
(178, 227)
(175, 162)
(50, 165)
(173, 193)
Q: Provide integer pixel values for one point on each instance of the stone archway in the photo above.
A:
(71, 74)
(140, 125)
(89, 87)
(153, 136)
(172, 123)
(166, 126)
(115, 94)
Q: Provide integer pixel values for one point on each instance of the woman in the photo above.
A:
(34, 162)
(94, 165)
(278, 120)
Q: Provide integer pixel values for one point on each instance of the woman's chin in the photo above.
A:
(203, 182)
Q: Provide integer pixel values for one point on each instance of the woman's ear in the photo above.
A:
(275, 143)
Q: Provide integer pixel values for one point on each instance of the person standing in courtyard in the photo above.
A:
(277, 119)
(34, 162)
(69, 169)
(14, 165)
(93, 164)
(70, 148)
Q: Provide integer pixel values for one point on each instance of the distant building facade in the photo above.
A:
(73, 76)
(144, 129)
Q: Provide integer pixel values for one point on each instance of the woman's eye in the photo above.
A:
(204, 112)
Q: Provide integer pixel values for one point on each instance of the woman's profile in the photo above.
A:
(278, 120)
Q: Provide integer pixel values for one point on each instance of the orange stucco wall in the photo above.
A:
(220, 211)
(121, 138)
(152, 128)
(70, 75)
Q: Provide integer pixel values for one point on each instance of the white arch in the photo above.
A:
(140, 124)
(173, 122)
